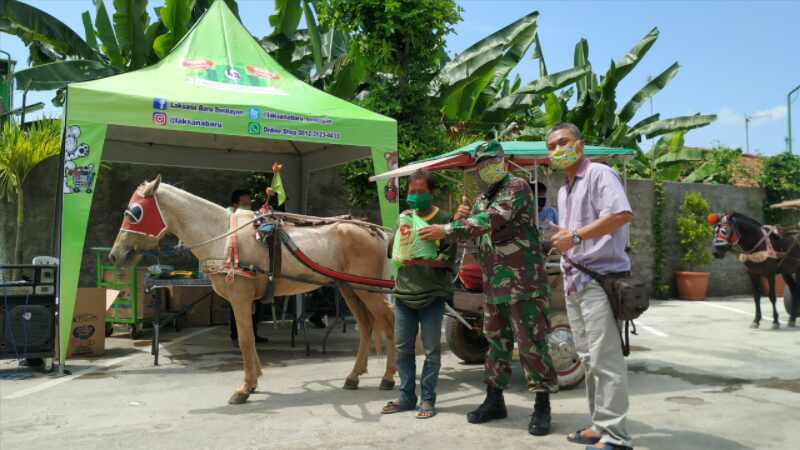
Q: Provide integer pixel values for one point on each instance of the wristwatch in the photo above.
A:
(576, 239)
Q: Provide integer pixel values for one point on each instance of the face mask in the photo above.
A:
(564, 157)
(542, 201)
(420, 202)
(492, 173)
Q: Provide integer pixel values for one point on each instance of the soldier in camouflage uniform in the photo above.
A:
(514, 283)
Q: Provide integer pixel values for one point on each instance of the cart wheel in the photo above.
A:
(465, 343)
(562, 351)
(134, 330)
(787, 300)
(109, 329)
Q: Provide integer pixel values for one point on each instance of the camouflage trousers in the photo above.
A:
(526, 322)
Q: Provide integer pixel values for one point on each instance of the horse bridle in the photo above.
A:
(726, 234)
(143, 216)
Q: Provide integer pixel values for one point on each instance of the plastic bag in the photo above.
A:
(407, 244)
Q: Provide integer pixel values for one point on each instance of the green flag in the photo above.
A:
(277, 188)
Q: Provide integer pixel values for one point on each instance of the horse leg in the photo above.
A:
(773, 299)
(242, 311)
(755, 280)
(364, 331)
(793, 283)
(384, 323)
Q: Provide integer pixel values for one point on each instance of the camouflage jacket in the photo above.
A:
(509, 250)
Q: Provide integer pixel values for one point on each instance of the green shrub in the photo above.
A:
(780, 178)
(694, 231)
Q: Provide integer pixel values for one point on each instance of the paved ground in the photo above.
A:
(700, 379)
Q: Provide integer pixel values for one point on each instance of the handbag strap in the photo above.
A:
(598, 277)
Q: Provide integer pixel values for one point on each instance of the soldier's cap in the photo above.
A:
(488, 149)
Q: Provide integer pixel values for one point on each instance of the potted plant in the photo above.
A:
(694, 235)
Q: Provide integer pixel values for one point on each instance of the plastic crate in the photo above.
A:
(124, 310)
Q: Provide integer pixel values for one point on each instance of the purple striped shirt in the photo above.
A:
(596, 192)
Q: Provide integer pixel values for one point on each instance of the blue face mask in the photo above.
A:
(419, 201)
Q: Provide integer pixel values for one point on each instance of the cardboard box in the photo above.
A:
(87, 336)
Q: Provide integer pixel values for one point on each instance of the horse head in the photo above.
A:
(142, 227)
(733, 231)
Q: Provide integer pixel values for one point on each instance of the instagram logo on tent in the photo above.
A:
(159, 118)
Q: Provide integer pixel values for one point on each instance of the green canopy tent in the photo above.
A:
(216, 101)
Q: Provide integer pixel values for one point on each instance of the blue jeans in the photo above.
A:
(406, 323)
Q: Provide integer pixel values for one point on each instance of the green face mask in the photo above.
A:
(564, 157)
(492, 173)
(420, 201)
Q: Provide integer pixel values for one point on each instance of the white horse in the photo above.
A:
(157, 209)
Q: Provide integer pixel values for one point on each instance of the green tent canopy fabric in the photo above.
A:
(218, 100)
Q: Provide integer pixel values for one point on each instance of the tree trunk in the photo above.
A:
(18, 241)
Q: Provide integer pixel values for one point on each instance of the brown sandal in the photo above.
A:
(393, 407)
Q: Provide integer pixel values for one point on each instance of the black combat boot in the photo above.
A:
(493, 407)
(540, 419)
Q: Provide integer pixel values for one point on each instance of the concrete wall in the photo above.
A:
(327, 197)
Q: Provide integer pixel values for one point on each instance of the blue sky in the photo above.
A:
(737, 58)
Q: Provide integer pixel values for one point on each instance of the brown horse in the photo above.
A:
(156, 209)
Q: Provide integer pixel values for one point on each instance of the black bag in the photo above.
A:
(627, 296)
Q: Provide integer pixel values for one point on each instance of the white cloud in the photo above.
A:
(728, 116)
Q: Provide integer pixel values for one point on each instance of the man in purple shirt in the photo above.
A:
(594, 215)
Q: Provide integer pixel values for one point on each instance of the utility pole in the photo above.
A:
(789, 118)
(747, 119)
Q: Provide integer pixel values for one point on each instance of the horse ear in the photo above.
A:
(151, 187)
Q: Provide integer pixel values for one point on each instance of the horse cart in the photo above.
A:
(464, 324)
(791, 205)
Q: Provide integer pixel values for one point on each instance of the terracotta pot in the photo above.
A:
(779, 285)
(692, 285)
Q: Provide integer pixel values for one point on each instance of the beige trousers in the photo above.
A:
(598, 345)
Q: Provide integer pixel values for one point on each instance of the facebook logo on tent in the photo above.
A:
(160, 103)
(253, 113)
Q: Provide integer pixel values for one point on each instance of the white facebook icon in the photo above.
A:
(253, 113)
(160, 103)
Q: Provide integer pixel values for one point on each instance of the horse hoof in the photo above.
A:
(238, 398)
(386, 385)
(351, 385)
(754, 325)
(792, 323)
(776, 326)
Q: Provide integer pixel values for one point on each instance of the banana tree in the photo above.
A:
(122, 42)
(595, 110)
(20, 152)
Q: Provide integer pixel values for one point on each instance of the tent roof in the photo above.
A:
(522, 153)
(219, 80)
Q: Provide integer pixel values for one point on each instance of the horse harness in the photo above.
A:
(726, 234)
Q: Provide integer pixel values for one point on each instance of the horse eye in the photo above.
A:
(134, 213)
(724, 231)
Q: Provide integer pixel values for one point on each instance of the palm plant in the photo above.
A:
(20, 152)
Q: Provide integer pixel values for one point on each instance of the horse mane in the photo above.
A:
(739, 218)
(178, 191)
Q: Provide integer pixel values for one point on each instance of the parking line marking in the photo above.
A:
(727, 308)
(102, 365)
(654, 331)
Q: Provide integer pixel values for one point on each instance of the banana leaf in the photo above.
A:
(683, 155)
(105, 32)
(555, 81)
(628, 62)
(201, 6)
(467, 75)
(46, 77)
(538, 54)
(176, 15)
(647, 120)
(653, 87)
(91, 38)
(554, 110)
(516, 51)
(701, 174)
(286, 18)
(682, 123)
(581, 59)
(34, 25)
(130, 22)
(350, 75)
(314, 34)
